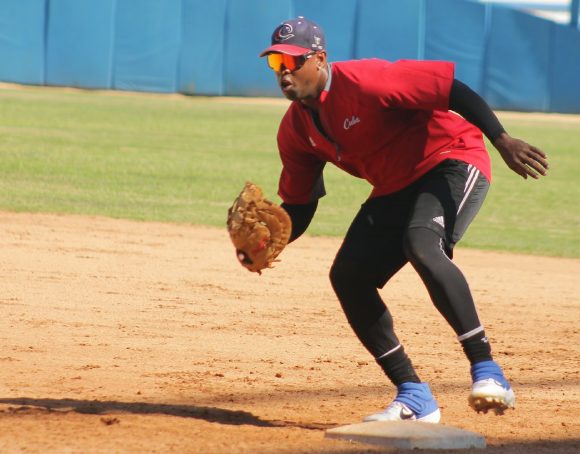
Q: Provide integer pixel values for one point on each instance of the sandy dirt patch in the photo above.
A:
(132, 337)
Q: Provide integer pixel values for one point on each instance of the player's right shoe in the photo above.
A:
(414, 402)
(490, 389)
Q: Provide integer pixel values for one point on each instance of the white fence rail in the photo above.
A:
(561, 11)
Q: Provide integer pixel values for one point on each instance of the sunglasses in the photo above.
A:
(291, 63)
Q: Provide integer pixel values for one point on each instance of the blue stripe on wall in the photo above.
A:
(518, 62)
(79, 48)
(22, 29)
(461, 41)
(201, 62)
(147, 44)
(388, 29)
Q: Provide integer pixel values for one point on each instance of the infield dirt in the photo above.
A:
(129, 337)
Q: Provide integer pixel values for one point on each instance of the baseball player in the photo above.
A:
(414, 132)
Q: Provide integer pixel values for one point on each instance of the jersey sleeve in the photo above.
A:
(301, 179)
(413, 84)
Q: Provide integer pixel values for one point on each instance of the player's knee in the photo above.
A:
(339, 273)
(356, 293)
(345, 274)
(422, 246)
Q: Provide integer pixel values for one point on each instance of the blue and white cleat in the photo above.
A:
(414, 402)
(490, 389)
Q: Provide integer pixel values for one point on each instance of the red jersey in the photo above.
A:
(385, 122)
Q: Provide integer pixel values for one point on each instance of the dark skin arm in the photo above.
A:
(523, 158)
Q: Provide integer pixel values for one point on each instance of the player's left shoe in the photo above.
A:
(490, 389)
(414, 402)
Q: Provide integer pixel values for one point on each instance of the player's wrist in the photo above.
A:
(501, 140)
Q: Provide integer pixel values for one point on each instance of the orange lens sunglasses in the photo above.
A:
(290, 62)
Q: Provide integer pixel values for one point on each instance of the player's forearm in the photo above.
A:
(301, 216)
(474, 109)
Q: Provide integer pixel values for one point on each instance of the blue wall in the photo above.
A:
(79, 43)
(516, 61)
(22, 41)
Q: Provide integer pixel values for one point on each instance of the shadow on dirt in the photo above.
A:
(28, 406)
(95, 407)
(532, 447)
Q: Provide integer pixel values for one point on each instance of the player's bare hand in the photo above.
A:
(523, 158)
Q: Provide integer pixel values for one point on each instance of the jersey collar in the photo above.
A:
(326, 89)
(329, 80)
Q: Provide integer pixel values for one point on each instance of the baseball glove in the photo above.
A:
(259, 229)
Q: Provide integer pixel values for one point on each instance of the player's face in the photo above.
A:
(298, 77)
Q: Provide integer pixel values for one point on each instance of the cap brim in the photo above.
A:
(295, 51)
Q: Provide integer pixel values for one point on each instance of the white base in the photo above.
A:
(408, 435)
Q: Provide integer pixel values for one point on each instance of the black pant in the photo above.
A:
(419, 224)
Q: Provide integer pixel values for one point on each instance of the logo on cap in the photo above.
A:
(317, 42)
(293, 35)
(285, 32)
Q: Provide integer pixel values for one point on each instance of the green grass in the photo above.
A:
(179, 159)
(534, 216)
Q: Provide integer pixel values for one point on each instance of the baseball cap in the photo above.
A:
(296, 37)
